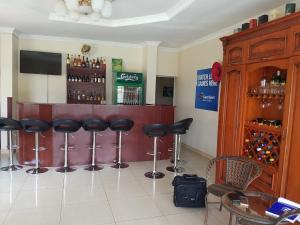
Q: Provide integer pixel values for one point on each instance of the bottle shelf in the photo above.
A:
(86, 69)
(85, 83)
(263, 127)
(85, 102)
(266, 96)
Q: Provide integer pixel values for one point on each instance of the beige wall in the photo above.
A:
(34, 88)
(203, 132)
(167, 63)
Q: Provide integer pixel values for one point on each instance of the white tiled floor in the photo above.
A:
(106, 197)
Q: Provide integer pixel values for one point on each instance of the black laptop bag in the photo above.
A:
(189, 191)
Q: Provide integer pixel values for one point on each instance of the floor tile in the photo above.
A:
(133, 208)
(45, 198)
(33, 217)
(150, 221)
(87, 214)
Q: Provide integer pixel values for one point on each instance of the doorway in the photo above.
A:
(164, 93)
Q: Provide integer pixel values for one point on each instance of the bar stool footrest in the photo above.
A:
(37, 170)
(11, 168)
(120, 165)
(65, 169)
(93, 168)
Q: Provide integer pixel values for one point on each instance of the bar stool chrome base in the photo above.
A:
(65, 169)
(93, 168)
(11, 168)
(154, 175)
(120, 165)
(177, 170)
(37, 170)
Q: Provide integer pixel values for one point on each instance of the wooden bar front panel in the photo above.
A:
(135, 144)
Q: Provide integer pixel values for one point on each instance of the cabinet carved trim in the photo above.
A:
(267, 48)
(235, 55)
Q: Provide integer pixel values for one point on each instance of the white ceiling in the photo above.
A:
(201, 18)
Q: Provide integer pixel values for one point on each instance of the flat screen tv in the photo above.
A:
(45, 63)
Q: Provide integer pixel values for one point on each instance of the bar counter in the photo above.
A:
(135, 143)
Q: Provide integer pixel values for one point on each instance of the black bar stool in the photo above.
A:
(37, 127)
(66, 126)
(156, 131)
(94, 126)
(177, 129)
(10, 125)
(120, 126)
(186, 123)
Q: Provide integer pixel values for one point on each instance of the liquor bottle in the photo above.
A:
(74, 61)
(83, 62)
(79, 79)
(88, 79)
(264, 81)
(278, 78)
(97, 64)
(103, 80)
(79, 61)
(99, 79)
(91, 97)
(101, 61)
(87, 62)
(83, 95)
(98, 97)
(273, 80)
(71, 60)
(104, 62)
(78, 96)
(93, 64)
(68, 61)
(72, 78)
(103, 100)
(69, 78)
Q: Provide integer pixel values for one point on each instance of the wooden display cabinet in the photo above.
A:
(86, 85)
(248, 57)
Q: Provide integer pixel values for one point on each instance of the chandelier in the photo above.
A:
(76, 9)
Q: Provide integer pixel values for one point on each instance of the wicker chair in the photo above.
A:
(240, 172)
(278, 221)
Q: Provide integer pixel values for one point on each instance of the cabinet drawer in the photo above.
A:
(267, 47)
(235, 54)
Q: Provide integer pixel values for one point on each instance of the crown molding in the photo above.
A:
(152, 43)
(82, 40)
(153, 18)
(215, 35)
(167, 49)
(10, 30)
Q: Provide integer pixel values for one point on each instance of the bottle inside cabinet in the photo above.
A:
(86, 80)
(264, 114)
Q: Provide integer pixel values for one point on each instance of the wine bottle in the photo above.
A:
(278, 78)
(99, 79)
(83, 62)
(87, 62)
(68, 61)
(93, 64)
(78, 61)
(97, 64)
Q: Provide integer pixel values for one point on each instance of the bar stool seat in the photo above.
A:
(156, 131)
(94, 126)
(120, 126)
(66, 126)
(10, 125)
(36, 126)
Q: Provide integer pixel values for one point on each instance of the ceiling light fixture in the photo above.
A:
(75, 9)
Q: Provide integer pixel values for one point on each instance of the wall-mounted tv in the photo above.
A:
(44, 63)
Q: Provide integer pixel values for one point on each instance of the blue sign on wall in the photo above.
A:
(207, 91)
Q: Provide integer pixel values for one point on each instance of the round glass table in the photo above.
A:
(253, 209)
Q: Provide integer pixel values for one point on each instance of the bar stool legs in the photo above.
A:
(66, 167)
(11, 166)
(120, 164)
(176, 168)
(37, 168)
(94, 167)
(154, 174)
